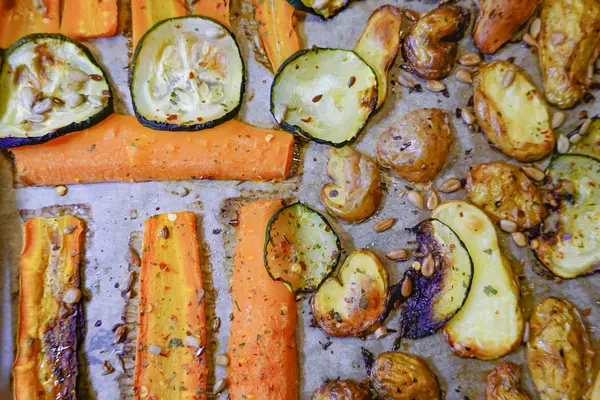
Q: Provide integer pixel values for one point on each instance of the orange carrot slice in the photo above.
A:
(146, 13)
(21, 17)
(84, 19)
(262, 341)
(215, 9)
(49, 309)
(171, 318)
(120, 149)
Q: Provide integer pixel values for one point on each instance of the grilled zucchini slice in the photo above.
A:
(49, 86)
(187, 74)
(326, 95)
(301, 248)
(569, 240)
(323, 8)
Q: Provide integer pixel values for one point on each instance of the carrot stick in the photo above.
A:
(215, 9)
(262, 341)
(21, 17)
(120, 149)
(276, 22)
(171, 318)
(146, 13)
(47, 333)
(89, 18)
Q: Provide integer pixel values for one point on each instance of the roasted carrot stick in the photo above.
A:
(120, 149)
(23, 17)
(146, 13)
(49, 309)
(262, 341)
(89, 18)
(171, 318)
(215, 9)
(276, 22)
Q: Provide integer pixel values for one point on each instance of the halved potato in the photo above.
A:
(559, 354)
(337, 389)
(589, 145)
(490, 323)
(504, 383)
(505, 192)
(356, 193)
(594, 392)
(514, 117)
(350, 303)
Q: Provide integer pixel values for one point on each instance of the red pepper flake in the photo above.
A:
(174, 318)
(96, 77)
(307, 120)
(586, 312)
(192, 76)
(172, 117)
(163, 267)
(317, 98)
(200, 119)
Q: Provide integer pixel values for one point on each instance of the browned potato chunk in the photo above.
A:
(568, 48)
(430, 47)
(499, 20)
(512, 112)
(504, 192)
(504, 383)
(356, 193)
(417, 145)
(337, 389)
(559, 355)
(403, 376)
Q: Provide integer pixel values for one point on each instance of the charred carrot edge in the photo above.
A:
(262, 341)
(47, 334)
(120, 149)
(215, 9)
(84, 19)
(146, 13)
(22, 18)
(171, 317)
(276, 22)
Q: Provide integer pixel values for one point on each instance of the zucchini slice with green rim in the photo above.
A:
(569, 238)
(326, 95)
(301, 248)
(436, 298)
(49, 86)
(323, 8)
(187, 74)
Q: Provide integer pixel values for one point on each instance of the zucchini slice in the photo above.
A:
(301, 248)
(323, 8)
(589, 144)
(436, 298)
(49, 86)
(326, 95)
(569, 238)
(187, 74)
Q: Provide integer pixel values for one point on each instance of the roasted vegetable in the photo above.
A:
(215, 9)
(20, 18)
(589, 144)
(49, 86)
(350, 303)
(559, 354)
(441, 285)
(356, 192)
(323, 8)
(379, 44)
(337, 389)
(568, 47)
(569, 239)
(512, 112)
(594, 392)
(276, 22)
(50, 312)
(505, 193)
(403, 376)
(499, 21)
(416, 145)
(431, 45)
(504, 383)
(326, 95)
(146, 13)
(171, 316)
(89, 18)
(490, 323)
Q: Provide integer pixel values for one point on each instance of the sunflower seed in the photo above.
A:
(585, 127)
(61, 190)
(470, 59)
(398, 255)
(27, 97)
(534, 173)
(406, 288)
(428, 266)
(435, 85)
(464, 76)
(575, 138)
(405, 81)
(527, 38)
(562, 144)
(219, 386)
(535, 28)
(558, 118)
(416, 199)
(450, 185)
(222, 360)
(508, 78)
(72, 295)
(467, 116)
(508, 226)
(78, 75)
(381, 332)
(519, 239)
(384, 224)
(433, 200)
(42, 106)
(37, 118)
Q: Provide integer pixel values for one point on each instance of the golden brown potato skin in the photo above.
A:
(403, 376)
(337, 389)
(504, 383)
(559, 354)
(504, 192)
(356, 192)
(568, 45)
(417, 145)
(431, 45)
(498, 21)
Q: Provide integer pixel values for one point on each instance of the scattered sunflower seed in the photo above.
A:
(467, 116)
(450, 185)
(508, 226)
(415, 199)
(575, 138)
(398, 255)
(562, 144)
(405, 81)
(219, 386)
(381, 332)
(534, 173)
(406, 288)
(61, 190)
(384, 224)
(530, 40)
(433, 200)
(470, 59)
(428, 266)
(585, 127)
(435, 85)
(558, 118)
(519, 239)
(464, 76)
(535, 28)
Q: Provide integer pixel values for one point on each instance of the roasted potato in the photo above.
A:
(416, 146)
(337, 389)
(504, 192)
(350, 303)
(499, 20)
(356, 193)
(431, 45)
(504, 383)
(559, 354)
(512, 112)
(403, 376)
(594, 392)
(568, 47)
